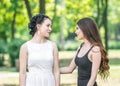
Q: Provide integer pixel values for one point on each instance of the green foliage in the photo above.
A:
(112, 45)
(13, 50)
(3, 49)
(67, 12)
(71, 45)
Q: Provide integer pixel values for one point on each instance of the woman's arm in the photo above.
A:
(96, 60)
(69, 69)
(23, 63)
(56, 65)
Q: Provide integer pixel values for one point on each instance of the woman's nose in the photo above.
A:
(50, 28)
(76, 32)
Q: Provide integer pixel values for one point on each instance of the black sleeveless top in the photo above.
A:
(84, 68)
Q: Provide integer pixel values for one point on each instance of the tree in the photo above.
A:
(101, 19)
(28, 8)
(54, 16)
(13, 21)
(42, 6)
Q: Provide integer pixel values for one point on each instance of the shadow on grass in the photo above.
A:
(112, 61)
(18, 85)
(9, 85)
(65, 62)
(6, 69)
(68, 85)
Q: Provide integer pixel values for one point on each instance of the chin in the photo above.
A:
(79, 38)
(47, 36)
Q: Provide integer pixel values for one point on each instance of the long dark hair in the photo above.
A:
(91, 33)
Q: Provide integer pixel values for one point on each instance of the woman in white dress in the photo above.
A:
(39, 55)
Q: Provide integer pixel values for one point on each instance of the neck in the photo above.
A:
(87, 43)
(38, 39)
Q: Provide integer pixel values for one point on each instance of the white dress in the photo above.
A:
(40, 64)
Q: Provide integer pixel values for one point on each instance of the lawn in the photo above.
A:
(65, 57)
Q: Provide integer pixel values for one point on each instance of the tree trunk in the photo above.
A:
(62, 40)
(98, 12)
(54, 11)
(42, 6)
(102, 18)
(105, 23)
(4, 36)
(1, 59)
(13, 24)
(28, 8)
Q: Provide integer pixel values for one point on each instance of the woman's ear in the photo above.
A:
(38, 26)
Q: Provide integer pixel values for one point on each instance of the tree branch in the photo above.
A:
(28, 8)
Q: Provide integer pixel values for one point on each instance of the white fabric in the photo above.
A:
(40, 64)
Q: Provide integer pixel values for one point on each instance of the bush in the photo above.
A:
(69, 45)
(114, 45)
(2, 47)
(2, 52)
(13, 50)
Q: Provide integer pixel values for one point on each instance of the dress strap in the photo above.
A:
(79, 49)
(89, 49)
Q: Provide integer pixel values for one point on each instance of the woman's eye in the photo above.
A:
(48, 25)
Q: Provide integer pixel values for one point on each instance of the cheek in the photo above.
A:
(44, 32)
(43, 29)
(80, 35)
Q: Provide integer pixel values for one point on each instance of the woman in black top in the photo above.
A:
(91, 57)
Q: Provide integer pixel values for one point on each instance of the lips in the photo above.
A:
(77, 34)
(49, 32)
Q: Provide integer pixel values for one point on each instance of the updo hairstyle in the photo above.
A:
(38, 19)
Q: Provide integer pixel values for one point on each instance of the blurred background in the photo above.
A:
(14, 19)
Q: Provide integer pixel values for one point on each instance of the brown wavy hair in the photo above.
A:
(91, 33)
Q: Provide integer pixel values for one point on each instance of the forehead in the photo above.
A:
(46, 21)
(78, 27)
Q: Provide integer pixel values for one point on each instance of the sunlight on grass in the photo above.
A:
(113, 79)
(9, 81)
(114, 53)
(70, 79)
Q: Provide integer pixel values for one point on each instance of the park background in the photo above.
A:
(14, 18)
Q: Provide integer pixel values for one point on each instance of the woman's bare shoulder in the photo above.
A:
(23, 46)
(96, 49)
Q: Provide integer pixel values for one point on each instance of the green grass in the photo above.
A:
(115, 73)
(114, 61)
(71, 79)
(8, 69)
(66, 56)
(114, 57)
